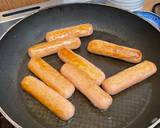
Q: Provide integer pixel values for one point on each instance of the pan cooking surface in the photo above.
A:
(133, 107)
(126, 107)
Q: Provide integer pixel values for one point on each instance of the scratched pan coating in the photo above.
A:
(134, 107)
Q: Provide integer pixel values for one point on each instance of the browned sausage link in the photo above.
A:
(129, 77)
(48, 48)
(51, 77)
(48, 97)
(69, 56)
(87, 86)
(116, 51)
(69, 32)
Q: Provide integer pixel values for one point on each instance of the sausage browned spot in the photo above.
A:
(48, 97)
(69, 32)
(129, 77)
(116, 51)
(69, 56)
(51, 77)
(87, 86)
(48, 48)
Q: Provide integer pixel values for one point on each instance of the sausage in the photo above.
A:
(129, 77)
(116, 51)
(51, 77)
(98, 97)
(48, 97)
(69, 32)
(69, 56)
(48, 48)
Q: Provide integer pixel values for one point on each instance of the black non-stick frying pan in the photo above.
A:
(132, 108)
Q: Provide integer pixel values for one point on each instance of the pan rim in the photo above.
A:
(66, 4)
(7, 117)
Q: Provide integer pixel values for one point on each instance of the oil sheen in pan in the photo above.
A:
(126, 107)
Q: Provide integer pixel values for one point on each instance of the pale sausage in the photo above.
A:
(87, 86)
(69, 56)
(48, 48)
(116, 51)
(48, 97)
(129, 77)
(69, 32)
(51, 77)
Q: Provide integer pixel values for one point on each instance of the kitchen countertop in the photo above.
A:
(148, 4)
(12, 4)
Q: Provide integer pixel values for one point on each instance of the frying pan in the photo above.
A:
(132, 108)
